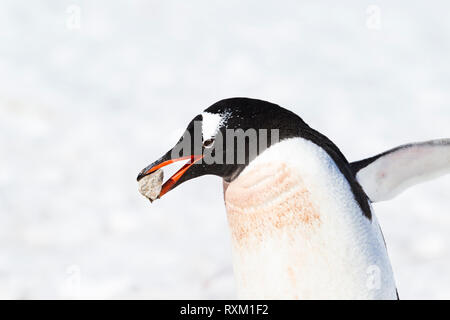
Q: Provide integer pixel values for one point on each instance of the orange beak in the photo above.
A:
(168, 185)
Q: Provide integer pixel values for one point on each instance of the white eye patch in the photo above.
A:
(211, 124)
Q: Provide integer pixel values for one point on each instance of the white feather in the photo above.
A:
(404, 167)
(211, 124)
(345, 258)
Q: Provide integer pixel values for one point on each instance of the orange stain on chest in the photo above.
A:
(269, 199)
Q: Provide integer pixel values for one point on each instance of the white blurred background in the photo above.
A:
(93, 91)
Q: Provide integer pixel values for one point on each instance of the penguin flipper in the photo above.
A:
(386, 175)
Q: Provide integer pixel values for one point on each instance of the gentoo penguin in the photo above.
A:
(300, 215)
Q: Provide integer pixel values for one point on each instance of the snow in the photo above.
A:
(83, 108)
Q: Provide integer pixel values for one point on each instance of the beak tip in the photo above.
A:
(141, 174)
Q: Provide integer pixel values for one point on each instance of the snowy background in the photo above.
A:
(93, 91)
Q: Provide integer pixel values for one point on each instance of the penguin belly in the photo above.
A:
(298, 233)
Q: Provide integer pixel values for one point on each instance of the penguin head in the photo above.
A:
(225, 138)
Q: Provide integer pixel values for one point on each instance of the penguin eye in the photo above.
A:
(208, 143)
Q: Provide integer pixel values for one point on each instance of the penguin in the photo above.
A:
(300, 215)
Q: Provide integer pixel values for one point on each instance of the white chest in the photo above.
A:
(298, 233)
